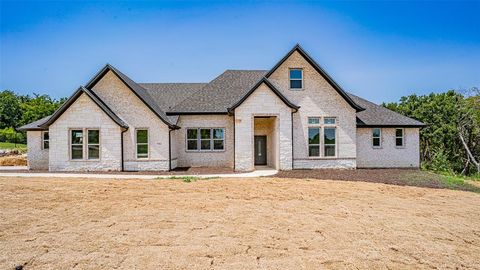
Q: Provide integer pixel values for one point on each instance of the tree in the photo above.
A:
(10, 110)
(37, 107)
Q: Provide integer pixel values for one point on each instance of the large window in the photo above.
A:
(399, 141)
(142, 143)
(93, 143)
(76, 142)
(322, 139)
(329, 141)
(314, 141)
(296, 78)
(377, 137)
(205, 139)
(45, 140)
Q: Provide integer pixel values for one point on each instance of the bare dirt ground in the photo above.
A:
(266, 223)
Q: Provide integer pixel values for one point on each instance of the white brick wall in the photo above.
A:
(203, 158)
(317, 99)
(36, 156)
(82, 114)
(262, 102)
(388, 156)
(136, 114)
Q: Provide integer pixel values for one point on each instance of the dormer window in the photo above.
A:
(296, 79)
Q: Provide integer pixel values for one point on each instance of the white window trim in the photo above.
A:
(290, 79)
(43, 140)
(199, 140)
(403, 138)
(93, 144)
(319, 141)
(322, 127)
(380, 138)
(336, 139)
(71, 144)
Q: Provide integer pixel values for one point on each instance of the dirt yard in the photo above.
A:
(266, 223)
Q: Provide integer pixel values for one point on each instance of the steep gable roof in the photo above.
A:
(139, 91)
(82, 90)
(168, 95)
(320, 70)
(265, 81)
(378, 116)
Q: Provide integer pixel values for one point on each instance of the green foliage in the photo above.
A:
(11, 146)
(18, 110)
(447, 115)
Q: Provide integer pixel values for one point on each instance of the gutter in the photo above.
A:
(292, 137)
(121, 149)
(170, 149)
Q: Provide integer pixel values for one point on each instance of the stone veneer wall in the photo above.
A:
(137, 115)
(203, 158)
(37, 157)
(262, 102)
(82, 114)
(388, 155)
(317, 99)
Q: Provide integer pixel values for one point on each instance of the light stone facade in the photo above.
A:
(37, 157)
(84, 114)
(388, 155)
(317, 99)
(126, 105)
(262, 102)
(203, 158)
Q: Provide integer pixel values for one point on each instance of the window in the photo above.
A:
(296, 78)
(314, 120)
(93, 144)
(76, 142)
(205, 139)
(329, 121)
(376, 137)
(142, 143)
(329, 142)
(45, 140)
(218, 139)
(314, 142)
(399, 137)
(192, 139)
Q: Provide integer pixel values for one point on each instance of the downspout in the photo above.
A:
(292, 139)
(234, 139)
(170, 149)
(121, 149)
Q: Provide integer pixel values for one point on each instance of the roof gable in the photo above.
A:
(82, 90)
(138, 90)
(271, 87)
(320, 70)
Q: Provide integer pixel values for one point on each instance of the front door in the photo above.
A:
(260, 150)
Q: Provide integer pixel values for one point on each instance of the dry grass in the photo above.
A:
(13, 161)
(263, 223)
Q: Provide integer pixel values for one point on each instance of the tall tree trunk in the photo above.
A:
(469, 153)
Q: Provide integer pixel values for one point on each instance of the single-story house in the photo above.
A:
(293, 116)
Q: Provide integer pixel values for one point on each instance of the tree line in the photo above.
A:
(450, 142)
(17, 110)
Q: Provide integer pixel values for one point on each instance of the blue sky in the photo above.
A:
(378, 50)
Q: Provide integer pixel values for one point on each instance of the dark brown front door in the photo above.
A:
(260, 150)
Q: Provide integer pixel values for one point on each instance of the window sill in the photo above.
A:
(323, 158)
(296, 89)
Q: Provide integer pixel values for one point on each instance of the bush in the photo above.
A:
(11, 135)
(440, 163)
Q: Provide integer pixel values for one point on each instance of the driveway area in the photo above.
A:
(269, 223)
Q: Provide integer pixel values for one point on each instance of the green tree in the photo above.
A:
(37, 107)
(10, 109)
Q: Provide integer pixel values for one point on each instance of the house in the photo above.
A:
(293, 116)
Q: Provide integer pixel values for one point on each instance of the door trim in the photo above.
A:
(255, 153)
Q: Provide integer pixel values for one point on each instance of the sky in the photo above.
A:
(378, 50)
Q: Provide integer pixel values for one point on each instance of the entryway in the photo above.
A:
(265, 142)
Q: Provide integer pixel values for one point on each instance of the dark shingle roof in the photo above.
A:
(221, 93)
(168, 95)
(36, 125)
(376, 115)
